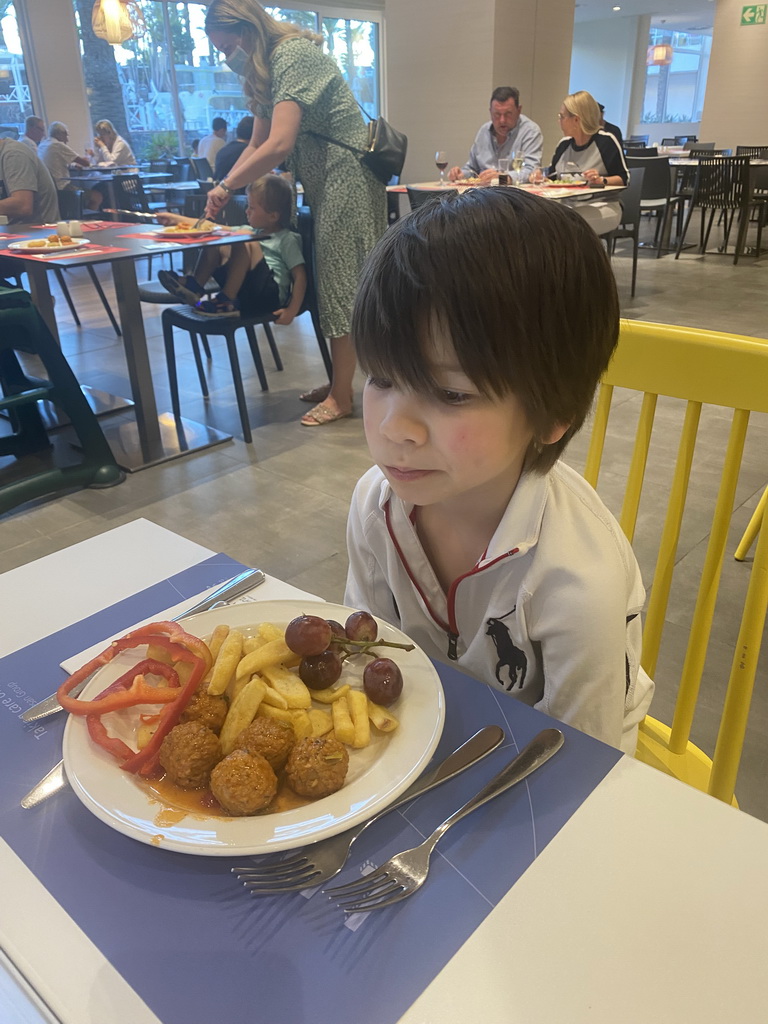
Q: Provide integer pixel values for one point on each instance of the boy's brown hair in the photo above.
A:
(521, 285)
(275, 195)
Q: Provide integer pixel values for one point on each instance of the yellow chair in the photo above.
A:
(701, 368)
(753, 527)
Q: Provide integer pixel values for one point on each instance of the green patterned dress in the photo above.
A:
(348, 202)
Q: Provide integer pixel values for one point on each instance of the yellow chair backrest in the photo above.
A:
(700, 368)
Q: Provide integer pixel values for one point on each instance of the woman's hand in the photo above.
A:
(593, 177)
(216, 200)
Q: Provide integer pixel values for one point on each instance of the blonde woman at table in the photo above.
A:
(591, 152)
(301, 103)
(484, 341)
(111, 149)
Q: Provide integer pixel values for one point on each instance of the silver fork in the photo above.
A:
(318, 863)
(406, 872)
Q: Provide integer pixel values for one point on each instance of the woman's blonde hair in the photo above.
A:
(260, 34)
(583, 105)
(105, 127)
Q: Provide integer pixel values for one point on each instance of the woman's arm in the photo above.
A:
(260, 157)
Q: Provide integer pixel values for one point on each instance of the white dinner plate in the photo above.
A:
(378, 774)
(40, 250)
(186, 233)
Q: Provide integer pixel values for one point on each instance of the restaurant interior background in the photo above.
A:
(430, 69)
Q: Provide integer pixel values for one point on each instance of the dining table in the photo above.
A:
(103, 178)
(150, 436)
(598, 890)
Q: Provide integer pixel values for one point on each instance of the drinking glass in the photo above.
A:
(503, 168)
(517, 165)
(441, 162)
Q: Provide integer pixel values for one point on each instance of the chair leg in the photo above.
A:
(273, 347)
(234, 362)
(206, 346)
(681, 234)
(741, 236)
(170, 359)
(752, 530)
(635, 243)
(257, 362)
(199, 364)
(65, 291)
(104, 301)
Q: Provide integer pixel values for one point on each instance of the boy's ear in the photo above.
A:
(555, 434)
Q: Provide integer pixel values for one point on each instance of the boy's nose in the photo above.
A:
(401, 422)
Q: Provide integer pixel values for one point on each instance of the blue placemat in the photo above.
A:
(197, 949)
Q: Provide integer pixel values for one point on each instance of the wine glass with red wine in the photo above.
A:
(441, 162)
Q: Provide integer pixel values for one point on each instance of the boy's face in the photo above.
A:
(260, 218)
(456, 449)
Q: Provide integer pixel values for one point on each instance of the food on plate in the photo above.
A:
(184, 227)
(317, 766)
(188, 753)
(243, 783)
(244, 698)
(272, 739)
(382, 681)
(206, 708)
(38, 243)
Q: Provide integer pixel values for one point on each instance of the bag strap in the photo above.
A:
(335, 142)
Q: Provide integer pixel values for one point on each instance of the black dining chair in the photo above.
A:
(723, 183)
(201, 167)
(23, 331)
(758, 152)
(130, 195)
(630, 219)
(643, 139)
(670, 142)
(657, 196)
(645, 151)
(188, 319)
(680, 140)
(419, 196)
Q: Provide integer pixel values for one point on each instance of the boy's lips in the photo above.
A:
(400, 473)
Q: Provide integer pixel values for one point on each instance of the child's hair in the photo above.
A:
(521, 285)
(275, 195)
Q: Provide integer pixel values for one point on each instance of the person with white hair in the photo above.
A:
(58, 156)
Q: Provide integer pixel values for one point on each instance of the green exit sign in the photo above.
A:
(754, 14)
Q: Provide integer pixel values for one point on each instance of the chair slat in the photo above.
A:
(704, 611)
(733, 725)
(636, 474)
(670, 536)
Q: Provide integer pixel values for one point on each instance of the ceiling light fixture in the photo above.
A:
(117, 20)
(659, 56)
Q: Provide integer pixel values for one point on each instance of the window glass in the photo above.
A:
(15, 103)
(674, 92)
(162, 89)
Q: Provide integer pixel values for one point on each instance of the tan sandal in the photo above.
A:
(316, 394)
(321, 415)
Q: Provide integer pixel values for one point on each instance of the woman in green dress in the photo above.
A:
(300, 101)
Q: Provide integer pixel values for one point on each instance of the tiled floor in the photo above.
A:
(281, 502)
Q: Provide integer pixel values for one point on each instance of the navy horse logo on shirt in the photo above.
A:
(511, 658)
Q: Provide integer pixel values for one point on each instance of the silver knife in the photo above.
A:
(224, 594)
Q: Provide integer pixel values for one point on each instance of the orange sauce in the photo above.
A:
(179, 803)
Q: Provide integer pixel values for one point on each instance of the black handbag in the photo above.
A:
(385, 154)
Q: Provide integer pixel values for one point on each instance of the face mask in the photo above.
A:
(238, 61)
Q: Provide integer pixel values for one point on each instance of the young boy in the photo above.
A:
(259, 277)
(484, 322)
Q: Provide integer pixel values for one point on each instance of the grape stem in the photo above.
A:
(366, 646)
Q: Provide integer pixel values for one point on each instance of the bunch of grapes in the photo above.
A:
(325, 644)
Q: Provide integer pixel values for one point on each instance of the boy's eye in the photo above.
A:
(454, 397)
(380, 383)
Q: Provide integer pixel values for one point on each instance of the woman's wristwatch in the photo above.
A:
(605, 181)
(226, 188)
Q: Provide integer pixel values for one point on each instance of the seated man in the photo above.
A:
(34, 132)
(58, 156)
(230, 153)
(612, 128)
(509, 131)
(28, 191)
(211, 144)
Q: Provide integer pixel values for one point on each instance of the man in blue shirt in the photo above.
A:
(509, 131)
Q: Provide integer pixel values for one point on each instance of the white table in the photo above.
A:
(651, 903)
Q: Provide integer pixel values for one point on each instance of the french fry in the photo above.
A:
(269, 631)
(218, 636)
(158, 653)
(144, 734)
(358, 709)
(321, 721)
(343, 726)
(252, 643)
(236, 686)
(289, 685)
(272, 653)
(382, 718)
(280, 714)
(302, 724)
(277, 700)
(241, 713)
(329, 695)
(228, 659)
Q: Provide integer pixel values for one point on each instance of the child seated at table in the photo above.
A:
(256, 278)
(484, 322)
